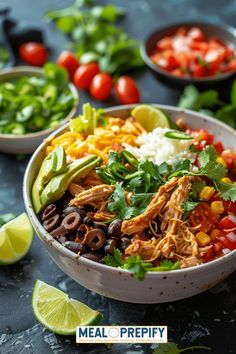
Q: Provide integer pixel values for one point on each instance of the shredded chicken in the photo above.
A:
(94, 196)
(189, 262)
(75, 189)
(103, 216)
(145, 249)
(172, 214)
(91, 180)
(141, 222)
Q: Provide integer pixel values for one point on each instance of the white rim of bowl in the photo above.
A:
(99, 266)
(31, 70)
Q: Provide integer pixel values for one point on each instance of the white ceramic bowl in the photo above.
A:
(26, 144)
(120, 284)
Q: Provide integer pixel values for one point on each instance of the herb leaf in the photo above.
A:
(206, 155)
(227, 190)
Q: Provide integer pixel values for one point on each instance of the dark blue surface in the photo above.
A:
(207, 319)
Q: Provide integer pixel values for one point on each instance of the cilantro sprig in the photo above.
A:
(136, 265)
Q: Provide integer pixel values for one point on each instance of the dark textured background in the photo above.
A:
(207, 319)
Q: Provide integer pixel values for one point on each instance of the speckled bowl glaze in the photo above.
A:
(120, 284)
(26, 144)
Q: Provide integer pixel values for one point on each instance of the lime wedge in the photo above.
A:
(57, 312)
(150, 117)
(15, 239)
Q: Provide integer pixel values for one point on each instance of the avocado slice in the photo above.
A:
(59, 184)
(52, 165)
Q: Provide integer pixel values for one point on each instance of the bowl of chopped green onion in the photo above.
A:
(33, 103)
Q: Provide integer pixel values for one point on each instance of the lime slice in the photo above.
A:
(57, 312)
(15, 239)
(150, 117)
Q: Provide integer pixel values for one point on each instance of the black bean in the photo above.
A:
(95, 239)
(52, 223)
(88, 221)
(80, 234)
(62, 239)
(72, 221)
(75, 246)
(49, 211)
(100, 225)
(88, 208)
(114, 229)
(111, 244)
(71, 237)
(59, 231)
(92, 257)
(125, 242)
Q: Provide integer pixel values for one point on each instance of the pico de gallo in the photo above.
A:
(190, 53)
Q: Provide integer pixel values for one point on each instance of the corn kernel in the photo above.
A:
(221, 161)
(217, 207)
(203, 239)
(226, 180)
(206, 193)
(214, 233)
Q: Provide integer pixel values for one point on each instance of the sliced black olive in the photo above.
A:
(75, 246)
(49, 211)
(59, 231)
(72, 221)
(100, 225)
(52, 223)
(70, 209)
(95, 239)
(88, 221)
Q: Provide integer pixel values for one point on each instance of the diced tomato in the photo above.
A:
(198, 70)
(229, 157)
(196, 34)
(169, 62)
(201, 215)
(230, 206)
(227, 223)
(219, 147)
(228, 241)
(231, 66)
(229, 53)
(218, 246)
(164, 43)
(177, 72)
(209, 255)
(202, 47)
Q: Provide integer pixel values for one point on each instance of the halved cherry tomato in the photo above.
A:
(201, 215)
(101, 86)
(227, 223)
(68, 61)
(84, 75)
(33, 53)
(198, 70)
(164, 43)
(127, 90)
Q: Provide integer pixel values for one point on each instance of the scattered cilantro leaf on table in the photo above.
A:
(171, 348)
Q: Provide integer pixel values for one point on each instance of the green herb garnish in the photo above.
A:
(96, 37)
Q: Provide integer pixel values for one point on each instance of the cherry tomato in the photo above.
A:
(101, 86)
(33, 53)
(196, 34)
(84, 75)
(227, 223)
(68, 61)
(127, 90)
(201, 215)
